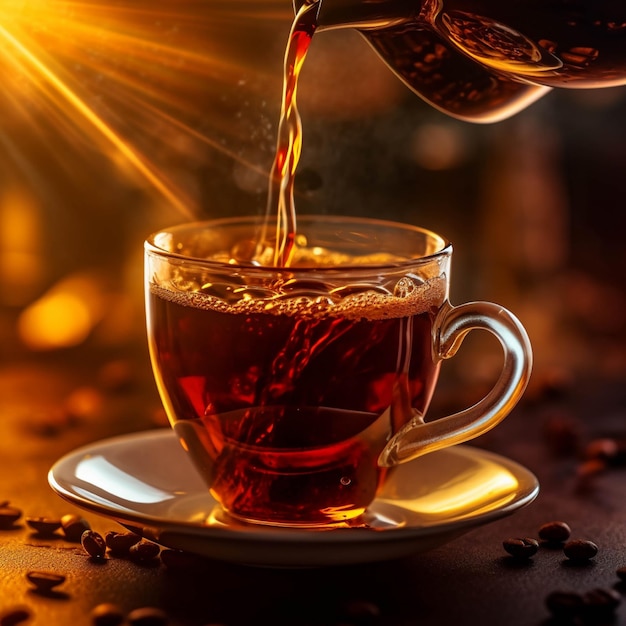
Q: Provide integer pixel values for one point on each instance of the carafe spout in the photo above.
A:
(361, 14)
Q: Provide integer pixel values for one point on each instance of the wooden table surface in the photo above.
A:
(51, 404)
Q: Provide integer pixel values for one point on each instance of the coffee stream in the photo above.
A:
(280, 201)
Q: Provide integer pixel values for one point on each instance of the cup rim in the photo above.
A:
(444, 249)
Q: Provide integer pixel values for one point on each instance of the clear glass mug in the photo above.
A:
(297, 389)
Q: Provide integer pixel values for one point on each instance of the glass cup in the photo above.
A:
(297, 389)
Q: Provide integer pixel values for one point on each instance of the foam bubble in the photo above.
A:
(363, 304)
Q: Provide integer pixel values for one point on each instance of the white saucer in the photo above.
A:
(146, 482)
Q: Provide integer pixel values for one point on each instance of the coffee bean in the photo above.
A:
(148, 616)
(120, 543)
(94, 544)
(521, 548)
(565, 604)
(602, 449)
(555, 532)
(144, 551)
(621, 573)
(8, 516)
(14, 616)
(44, 526)
(600, 604)
(580, 550)
(107, 614)
(45, 581)
(74, 526)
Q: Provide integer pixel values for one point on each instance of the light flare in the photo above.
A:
(148, 84)
(65, 315)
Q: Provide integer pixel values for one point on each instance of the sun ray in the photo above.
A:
(98, 124)
(129, 76)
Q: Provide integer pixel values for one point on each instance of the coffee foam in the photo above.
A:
(368, 304)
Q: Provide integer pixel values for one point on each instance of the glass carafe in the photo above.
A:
(484, 60)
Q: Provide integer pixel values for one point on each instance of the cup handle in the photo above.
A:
(451, 326)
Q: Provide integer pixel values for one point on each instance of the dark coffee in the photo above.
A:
(286, 402)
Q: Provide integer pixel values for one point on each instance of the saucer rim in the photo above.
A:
(279, 534)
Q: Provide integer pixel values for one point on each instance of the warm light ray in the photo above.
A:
(150, 86)
(72, 99)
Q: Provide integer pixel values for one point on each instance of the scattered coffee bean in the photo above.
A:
(120, 543)
(555, 532)
(45, 581)
(521, 548)
(147, 616)
(107, 614)
(74, 526)
(565, 604)
(144, 551)
(611, 451)
(14, 616)
(8, 516)
(44, 526)
(580, 550)
(593, 607)
(621, 573)
(600, 604)
(93, 544)
(602, 449)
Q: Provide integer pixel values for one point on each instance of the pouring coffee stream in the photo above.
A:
(486, 60)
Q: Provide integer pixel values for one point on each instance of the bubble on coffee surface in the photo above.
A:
(355, 301)
(316, 295)
(404, 287)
